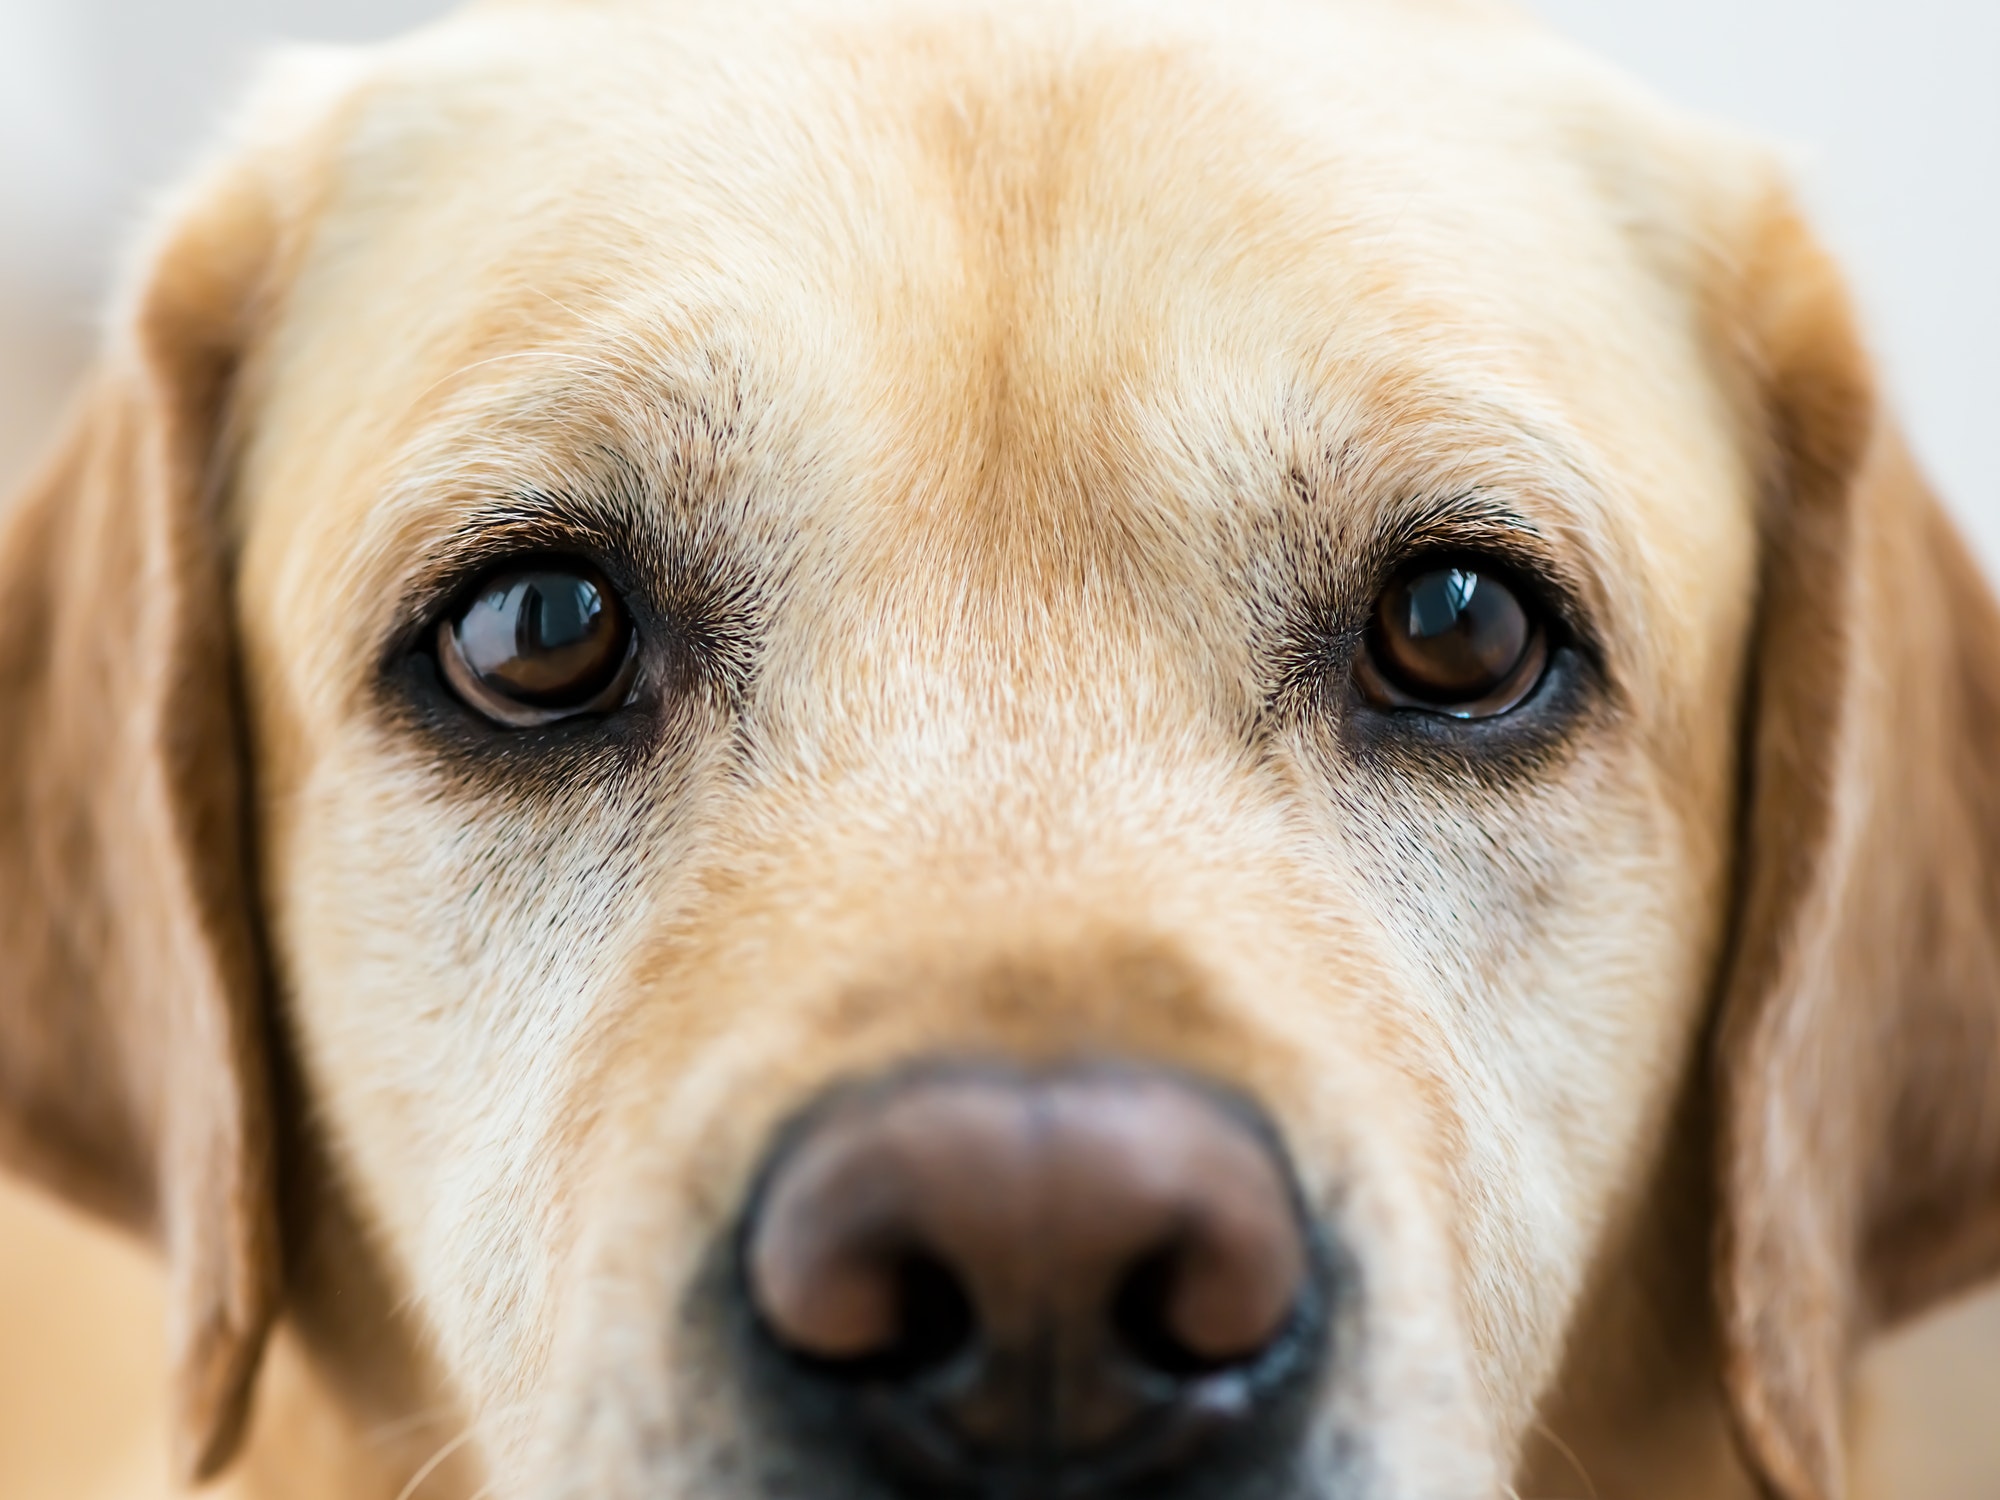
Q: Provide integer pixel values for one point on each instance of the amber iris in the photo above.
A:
(1454, 639)
(536, 644)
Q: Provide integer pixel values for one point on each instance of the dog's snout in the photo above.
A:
(1083, 1272)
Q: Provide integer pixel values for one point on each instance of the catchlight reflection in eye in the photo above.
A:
(1456, 640)
(537, 644)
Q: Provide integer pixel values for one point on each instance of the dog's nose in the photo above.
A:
(1079, 1279)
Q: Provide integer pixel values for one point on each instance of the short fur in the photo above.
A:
(1004, 411)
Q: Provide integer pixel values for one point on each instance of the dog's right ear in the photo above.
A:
(133, 1074)
(1859, 1046)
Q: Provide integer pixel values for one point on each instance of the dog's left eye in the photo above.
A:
(1457, 639)
(535, 644)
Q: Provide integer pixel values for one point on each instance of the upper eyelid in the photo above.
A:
(498, 535)
(1476, 526)
(1470, 523)
(685, 584)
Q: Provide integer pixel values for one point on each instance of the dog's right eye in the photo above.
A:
(534, 644)
(1453, 639)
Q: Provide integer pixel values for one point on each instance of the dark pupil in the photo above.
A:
(1451, 635)
(541, 637)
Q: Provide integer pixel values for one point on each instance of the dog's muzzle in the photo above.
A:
(987, 1282)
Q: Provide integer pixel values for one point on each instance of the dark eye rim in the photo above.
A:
(458, 680)
(1524, 682)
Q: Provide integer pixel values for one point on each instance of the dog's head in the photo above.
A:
(1096, 751)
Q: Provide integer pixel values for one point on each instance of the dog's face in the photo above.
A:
(808, 579)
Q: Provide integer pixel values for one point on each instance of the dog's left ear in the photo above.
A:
(1859, 1042)
(133, 1077)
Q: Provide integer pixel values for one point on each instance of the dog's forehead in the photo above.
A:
(1036, 263)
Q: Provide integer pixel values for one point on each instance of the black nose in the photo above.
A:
(1013, 1284)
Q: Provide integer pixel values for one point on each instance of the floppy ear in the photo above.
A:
(1859, 1043)
(132, 1068)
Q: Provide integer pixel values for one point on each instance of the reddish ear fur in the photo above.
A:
(132, 1067)
(1859, 1048)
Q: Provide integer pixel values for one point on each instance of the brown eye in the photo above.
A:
(1455, 640)
(538, 644)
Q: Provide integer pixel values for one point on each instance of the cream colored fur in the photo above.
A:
(1015, 356)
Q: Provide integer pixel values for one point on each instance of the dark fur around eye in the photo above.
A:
(1502, 700)
(641, 634)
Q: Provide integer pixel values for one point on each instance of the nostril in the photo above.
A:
(1142, 1318)
(935, 1316)
(1151, 1318)
(867, 1312)
(932, 1323)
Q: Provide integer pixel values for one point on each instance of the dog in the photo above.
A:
(876, 748)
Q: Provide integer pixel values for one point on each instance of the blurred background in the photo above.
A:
(1891, 112)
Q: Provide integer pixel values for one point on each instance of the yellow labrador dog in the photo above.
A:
(1006, 751)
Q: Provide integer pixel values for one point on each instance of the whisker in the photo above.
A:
(1569, 1453)
(433, 1464)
